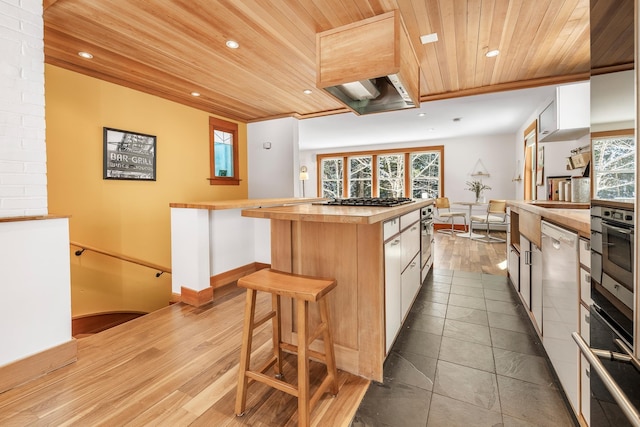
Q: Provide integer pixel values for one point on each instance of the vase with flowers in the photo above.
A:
(477, 187)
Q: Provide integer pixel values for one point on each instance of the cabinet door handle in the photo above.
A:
(413, 264)
(587, 277)
(587, 319)
(395, 242)
(414, 228)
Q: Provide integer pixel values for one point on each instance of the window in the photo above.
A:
(425, 175)
(223, 148)
(412, 172)
(613, 165)
(391, 175)
(332, 178)
(360, 176)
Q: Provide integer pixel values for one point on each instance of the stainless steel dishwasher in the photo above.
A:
(560, 293)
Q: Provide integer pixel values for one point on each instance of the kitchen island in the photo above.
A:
(348, 244)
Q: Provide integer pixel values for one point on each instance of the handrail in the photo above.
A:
(160, 268)
(621, 399)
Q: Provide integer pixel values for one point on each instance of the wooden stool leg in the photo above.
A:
(245, 352)
(303, 363)
(277, 338)
(328, 346)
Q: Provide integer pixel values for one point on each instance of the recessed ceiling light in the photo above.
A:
(307, 91)
(422, 114)
(85, 55)
(492, 53)
(232, 44)
(429, 38)
(195, 93)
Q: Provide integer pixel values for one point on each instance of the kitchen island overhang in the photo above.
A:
(345, 243)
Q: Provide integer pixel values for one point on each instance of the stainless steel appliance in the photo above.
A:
(370, 201)
(426, 238)
(614, 372)
(614, 295)
(560, 294)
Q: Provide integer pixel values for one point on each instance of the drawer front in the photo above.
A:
(585, 253)
(410, 243)
(407, 219)
(585, 286)
(391, 228)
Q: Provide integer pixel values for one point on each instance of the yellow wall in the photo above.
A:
(128, 217)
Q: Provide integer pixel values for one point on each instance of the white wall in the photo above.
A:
(273, 172)
(34, 255)
(23, 179)
(35, 287)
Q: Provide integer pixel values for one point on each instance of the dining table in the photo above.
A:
(470, 205)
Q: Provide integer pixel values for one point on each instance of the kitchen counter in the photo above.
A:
(577, 219)
(335, 214)
(243, 203)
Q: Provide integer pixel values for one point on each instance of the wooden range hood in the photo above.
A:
(369, 65)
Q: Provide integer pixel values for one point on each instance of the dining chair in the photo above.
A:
(444, 213)
(496, 215)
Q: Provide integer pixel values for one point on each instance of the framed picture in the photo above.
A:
(128, 155)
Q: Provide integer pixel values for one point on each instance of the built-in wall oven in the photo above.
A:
(611, 319)
(612, 287)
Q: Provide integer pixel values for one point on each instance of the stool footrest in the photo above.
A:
(272, 382)
(262, 320)
(312, 353)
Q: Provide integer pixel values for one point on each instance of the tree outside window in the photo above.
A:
(332, 178)
(223, 149)
(360, 176)
(614, 159)
(425, 175)
(391, 175)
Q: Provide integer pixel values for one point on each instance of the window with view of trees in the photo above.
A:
(332, 178)
(360, 176)
(385, 173)
(391, 175)
(613, 169)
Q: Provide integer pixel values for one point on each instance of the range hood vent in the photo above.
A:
(370, 65)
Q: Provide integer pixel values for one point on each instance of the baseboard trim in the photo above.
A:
(231, 276)
(196, 298)
(37, 365)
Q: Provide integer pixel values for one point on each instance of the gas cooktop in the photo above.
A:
(370, 201)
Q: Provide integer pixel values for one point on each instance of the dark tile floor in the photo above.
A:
(467, 355)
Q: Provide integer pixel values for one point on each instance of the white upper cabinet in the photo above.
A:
(567, 115)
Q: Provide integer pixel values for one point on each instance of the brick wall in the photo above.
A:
(23, 157)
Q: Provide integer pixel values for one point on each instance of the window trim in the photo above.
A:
(232, 128)
(374, 154)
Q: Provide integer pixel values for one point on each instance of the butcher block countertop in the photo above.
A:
(571, 216)
(337, 214)
(244, 203)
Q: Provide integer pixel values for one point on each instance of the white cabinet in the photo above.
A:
(567, 115)
(410, 283)
(585, 398)
(401, 270)
(393, 289)
(410, 243)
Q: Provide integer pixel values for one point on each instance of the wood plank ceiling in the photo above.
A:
(172, 48)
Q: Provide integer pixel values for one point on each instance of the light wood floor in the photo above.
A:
(463, 254)
(178, 366)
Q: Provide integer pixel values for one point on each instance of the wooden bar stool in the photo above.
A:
(302, 289)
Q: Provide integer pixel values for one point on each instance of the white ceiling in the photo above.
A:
(489, 114)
